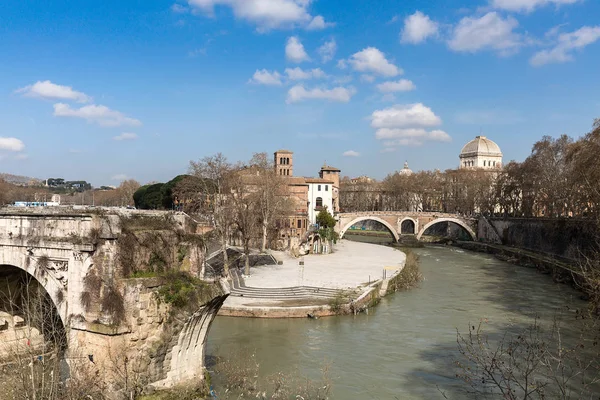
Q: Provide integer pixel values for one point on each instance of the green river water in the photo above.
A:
(405, 348)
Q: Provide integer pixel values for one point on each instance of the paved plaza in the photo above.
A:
(351, 265)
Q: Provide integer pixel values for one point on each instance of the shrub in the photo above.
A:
(409, 277)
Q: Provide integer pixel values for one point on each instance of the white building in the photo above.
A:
(481, 152)
(320, 195)
(405, 171)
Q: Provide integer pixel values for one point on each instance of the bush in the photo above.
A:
(409, 277)
(336, 304)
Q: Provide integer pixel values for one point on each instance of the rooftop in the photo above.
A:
(480, 146)
(326, 167)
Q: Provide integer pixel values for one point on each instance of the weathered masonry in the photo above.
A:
(125, 285)
(404, 222)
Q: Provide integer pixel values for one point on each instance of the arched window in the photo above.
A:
(319, 202)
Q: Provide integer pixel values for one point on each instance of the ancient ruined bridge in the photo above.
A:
(61, 248)
(404, 222)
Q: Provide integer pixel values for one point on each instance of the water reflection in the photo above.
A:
(406, 347)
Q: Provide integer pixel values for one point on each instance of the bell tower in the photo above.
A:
(284, 162)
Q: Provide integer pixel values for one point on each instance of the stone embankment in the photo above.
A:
(351, 279)
(561, 269)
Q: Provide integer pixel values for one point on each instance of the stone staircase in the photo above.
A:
(239, 289)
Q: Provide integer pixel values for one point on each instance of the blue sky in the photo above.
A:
(106, 90)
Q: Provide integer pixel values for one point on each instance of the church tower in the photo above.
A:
(284, 162)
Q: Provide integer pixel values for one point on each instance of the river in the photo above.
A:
(405, 348)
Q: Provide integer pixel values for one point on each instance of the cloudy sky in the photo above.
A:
(113, 89)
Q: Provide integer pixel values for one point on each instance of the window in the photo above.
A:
(318, 188)
(484, 163)
(327, 188)
(299, 223)
(319, 202)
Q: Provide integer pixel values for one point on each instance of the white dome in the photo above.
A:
(405, 170)
(480, 146)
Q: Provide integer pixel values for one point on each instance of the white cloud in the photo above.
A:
(417, 28)
(49, 90)
(343, 80)
(527, 5)
(406, 125)
(490, 31)
(294, 50)
(318, 23)
(264, 77)
(126, 136)
(367, 78)
(566, 44)
(298, 74)
(373, 60)
(405, 116)
(403, 85)
(119, 177)
(351, 153)
(266, 14)
(440, 136)
(92, 113)
(327, 50)
(299, 93)
(410, 136)
(11, 144)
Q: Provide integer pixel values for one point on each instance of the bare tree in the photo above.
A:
(216, 173)
(126, 190)
(532, 363)
(245, 203)
(271, 194)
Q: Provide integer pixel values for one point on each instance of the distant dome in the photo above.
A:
(480, 146)
(405, 170)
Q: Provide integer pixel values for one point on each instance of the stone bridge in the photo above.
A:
(87, 263)
(404, 222)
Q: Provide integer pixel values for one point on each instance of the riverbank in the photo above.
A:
(408, 342)
(355, 276)
(561, 270)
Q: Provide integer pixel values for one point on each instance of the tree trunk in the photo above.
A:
(247, 253)
(225, 257)
(264, 237)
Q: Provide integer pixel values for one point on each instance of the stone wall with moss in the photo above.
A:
(560, 237)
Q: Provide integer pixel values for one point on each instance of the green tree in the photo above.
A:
(325, 220)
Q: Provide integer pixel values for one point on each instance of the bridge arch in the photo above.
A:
(370, 218)
(27, 304)
(402, 225)
(455, 220)
(48, 278)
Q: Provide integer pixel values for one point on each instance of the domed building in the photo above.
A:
(482, 153)
(405, 171)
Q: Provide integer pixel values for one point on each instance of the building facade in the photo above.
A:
(308, 195)
(320, 196)
(481, 153)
